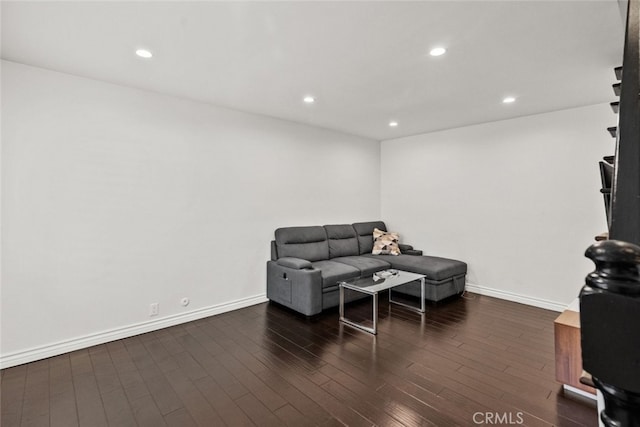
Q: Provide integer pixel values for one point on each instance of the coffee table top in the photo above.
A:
(370, 286)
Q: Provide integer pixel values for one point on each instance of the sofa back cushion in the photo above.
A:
(308, 243)
(343, 240)
(364, 231)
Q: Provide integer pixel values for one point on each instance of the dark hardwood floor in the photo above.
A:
(474, 357)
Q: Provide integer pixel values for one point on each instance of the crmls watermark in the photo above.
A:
(498, 418)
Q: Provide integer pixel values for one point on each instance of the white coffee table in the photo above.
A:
(367, 285)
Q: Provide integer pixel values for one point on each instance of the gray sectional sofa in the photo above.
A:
(307, 263)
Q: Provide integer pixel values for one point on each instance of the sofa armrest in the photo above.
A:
(299, 289)
(412, 252)
(404, 248)
(295, 263)
(408, 250)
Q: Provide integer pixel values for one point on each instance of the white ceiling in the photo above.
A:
(366, 62)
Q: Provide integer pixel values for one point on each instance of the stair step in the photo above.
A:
(616, 89)
(618, 71)
(606, 175)
(615, 106)
(613, 130)
(609, 159)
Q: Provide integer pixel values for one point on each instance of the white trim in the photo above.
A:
(572, 389)
(510, 296)
(61, 347)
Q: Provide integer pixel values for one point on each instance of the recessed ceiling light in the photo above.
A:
(509, 100)
(437, 51)
(393, 124)
(144, 53)
(309, 99)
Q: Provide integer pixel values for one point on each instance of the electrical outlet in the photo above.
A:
(154, 308)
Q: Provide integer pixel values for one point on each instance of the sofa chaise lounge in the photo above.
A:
(307, 263)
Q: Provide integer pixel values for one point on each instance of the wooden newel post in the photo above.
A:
(610, 329)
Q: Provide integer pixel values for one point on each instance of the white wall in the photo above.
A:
(518, 200)
(114, 198)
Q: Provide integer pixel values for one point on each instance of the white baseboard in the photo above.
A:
(54, 349)
(510, 296)
(579, 392)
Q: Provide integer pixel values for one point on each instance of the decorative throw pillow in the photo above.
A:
(385, 243)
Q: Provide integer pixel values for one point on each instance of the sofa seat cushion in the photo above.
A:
(366, 265)
(435, 268)
(333, 272)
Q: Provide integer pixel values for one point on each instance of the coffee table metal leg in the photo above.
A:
(375, 313)
(422, 307)
(341, 303)
(346, 321)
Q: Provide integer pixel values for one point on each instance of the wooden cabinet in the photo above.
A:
(568, 351)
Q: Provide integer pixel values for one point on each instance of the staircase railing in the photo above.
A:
(610, 299)
(625, 193)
